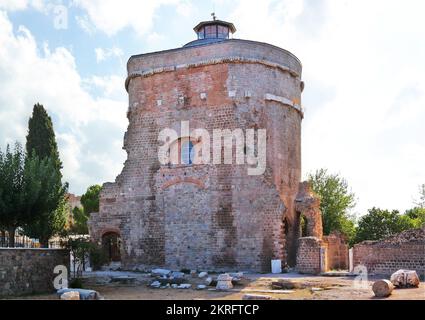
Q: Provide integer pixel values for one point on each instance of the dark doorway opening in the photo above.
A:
(111, 243)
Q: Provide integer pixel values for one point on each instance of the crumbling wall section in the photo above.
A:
(403, 251)
(337, 252)
(308, 255)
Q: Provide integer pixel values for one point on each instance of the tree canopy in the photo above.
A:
(90, 200)
(41, 143)
(379, 224)
(26, 188)
(336, 202)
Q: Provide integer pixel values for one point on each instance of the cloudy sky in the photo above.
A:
(364, 68)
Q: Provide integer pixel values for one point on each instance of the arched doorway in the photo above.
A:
(111, 243)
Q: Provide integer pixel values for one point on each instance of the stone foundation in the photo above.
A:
(29, 271)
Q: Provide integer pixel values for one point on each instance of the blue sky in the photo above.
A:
(363, 65)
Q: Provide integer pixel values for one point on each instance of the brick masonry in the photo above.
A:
(29, 271)
(403, 251)
(209, 217)
(308, 255)
(337, 252)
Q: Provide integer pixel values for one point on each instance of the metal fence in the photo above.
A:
(22, 241)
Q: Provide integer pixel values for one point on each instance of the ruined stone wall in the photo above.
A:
(337, 252)
(29, 271)
(308, 255)
(207, 217)
(403, 251)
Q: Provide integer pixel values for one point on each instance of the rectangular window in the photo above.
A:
(210, 32)
(223, 32)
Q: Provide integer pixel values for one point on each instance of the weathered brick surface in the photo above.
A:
(208, 217)
(403, 251)
(336, 252)
(308, 255)
(28, 271)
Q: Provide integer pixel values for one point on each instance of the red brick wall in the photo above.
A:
(337, 252)
(403, 251)
(230, 220)
(388, 259)
(308, 255)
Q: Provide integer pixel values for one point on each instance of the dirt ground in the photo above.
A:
(306, 288)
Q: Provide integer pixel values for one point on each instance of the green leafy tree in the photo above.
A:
(80, 221)
(41, 142)
(379, 224)
(23, 185)
(417, 217)
(41, 137)
(90, 200)
(336, 202)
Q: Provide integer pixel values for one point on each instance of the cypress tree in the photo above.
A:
(41, 137)
(41, 143)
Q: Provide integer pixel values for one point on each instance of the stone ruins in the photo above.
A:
(212, 216)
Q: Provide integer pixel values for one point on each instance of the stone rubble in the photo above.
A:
(160, 272)
(405, 279)
(224, 282)
(256, 297)
(71, 295)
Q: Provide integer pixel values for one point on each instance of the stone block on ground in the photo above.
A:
(160, 272)
(203, 274)
(405, 279)
(70, 295)
(84, 293)
(209, 281)
(177, 275)
(224, 282)
(285, 285)
(256, 297)
(382, 288)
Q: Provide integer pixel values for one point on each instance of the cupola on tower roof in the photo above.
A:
(212, 31)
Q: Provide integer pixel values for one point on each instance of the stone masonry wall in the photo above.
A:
(403, 251)
(337, 252)
(209, 217)
(308, 255)
(29, 271)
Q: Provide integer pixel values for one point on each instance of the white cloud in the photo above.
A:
(365, 93)
(111, 16)
(111, 87)
(13, 5)
(104, 54)
(88, 128)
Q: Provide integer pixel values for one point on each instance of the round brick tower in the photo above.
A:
(207, 216)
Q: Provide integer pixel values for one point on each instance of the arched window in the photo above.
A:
(304, 226)
(187, 152)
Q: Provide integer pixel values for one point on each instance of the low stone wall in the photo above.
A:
(308, 255)
(29, 271)
(403, 251)
(337, 252)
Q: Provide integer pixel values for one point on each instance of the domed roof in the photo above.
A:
(211, 32)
